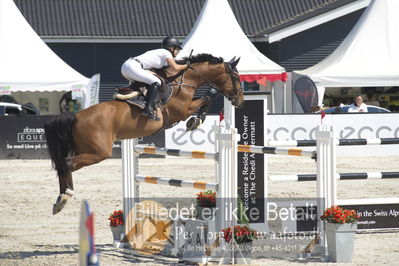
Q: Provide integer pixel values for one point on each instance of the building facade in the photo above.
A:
(97, 36)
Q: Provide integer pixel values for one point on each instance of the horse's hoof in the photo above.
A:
(193, 123)
(60, 203)
(190, 124)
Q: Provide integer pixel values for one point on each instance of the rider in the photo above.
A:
(138, 69)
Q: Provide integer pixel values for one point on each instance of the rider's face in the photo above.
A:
(174, 51)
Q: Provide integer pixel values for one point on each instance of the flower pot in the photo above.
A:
(117, 232)
(205, 213)
(340, 241)
(242, 254)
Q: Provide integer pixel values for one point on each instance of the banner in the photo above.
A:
(251, 168)
(23, 137)
(306, 92)
(93, 91)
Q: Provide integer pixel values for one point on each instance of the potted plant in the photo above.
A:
(340, 226)
(116, 223)
(206, 205)
(242, 244)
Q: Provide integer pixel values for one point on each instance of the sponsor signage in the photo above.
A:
(202, 139)
(346, 126)
(302, 127)
(251, 168)
(23, 137)
(371, 216)
(378, 216)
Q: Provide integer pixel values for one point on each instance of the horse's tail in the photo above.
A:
(60, 142)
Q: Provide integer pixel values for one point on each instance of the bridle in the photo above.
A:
(234, 76)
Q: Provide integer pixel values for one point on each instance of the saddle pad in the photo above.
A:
(162, 98)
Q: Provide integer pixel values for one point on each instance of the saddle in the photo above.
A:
(134, 94)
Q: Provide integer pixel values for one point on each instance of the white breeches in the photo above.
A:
(133, 71)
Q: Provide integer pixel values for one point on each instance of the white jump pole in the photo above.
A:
(129, 185)
(326, 172)
(226, 203)
(226, 174)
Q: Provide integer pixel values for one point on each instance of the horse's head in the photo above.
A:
(231, 86)
(222, 76)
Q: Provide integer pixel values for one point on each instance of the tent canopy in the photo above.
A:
(217, 32)
(369, 55)
(27, 63)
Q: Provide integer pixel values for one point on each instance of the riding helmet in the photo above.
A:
(171, 42)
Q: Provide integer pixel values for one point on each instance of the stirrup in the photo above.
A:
(150, 114)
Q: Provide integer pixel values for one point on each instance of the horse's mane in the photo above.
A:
(200, 58)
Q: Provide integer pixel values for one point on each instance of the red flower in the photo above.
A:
(206, 199)
(116, 218)
(242, 234)
(336, 214)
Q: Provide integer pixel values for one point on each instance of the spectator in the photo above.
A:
(358, 105)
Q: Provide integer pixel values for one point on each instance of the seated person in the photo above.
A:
(358, 105)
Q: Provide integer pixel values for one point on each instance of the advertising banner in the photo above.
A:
(376, 216)
(201, 139)
(346, 126)
(23, 137)
(251, 168)
(302, 127)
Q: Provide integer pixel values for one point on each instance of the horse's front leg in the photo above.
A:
(202, 105)
(197, 104)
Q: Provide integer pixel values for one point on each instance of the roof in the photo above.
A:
(20, 43)
(231, 43)
(352, 64)
(154, 19)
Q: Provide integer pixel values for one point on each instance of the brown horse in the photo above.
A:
(76, 141)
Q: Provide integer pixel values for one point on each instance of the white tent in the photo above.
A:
(216, 31)
(369, 55)
(28, 64)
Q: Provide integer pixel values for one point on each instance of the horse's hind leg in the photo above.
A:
(75, 163)
(66, 192)
(87, 159)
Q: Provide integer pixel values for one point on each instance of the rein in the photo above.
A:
(233, 75)
(181, 82)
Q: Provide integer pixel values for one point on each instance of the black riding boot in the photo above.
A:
(149, 109)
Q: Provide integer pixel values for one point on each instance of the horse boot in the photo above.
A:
(211, 94)
(149, 108)
(194, 122)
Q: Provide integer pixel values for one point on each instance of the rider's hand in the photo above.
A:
(188, 63)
